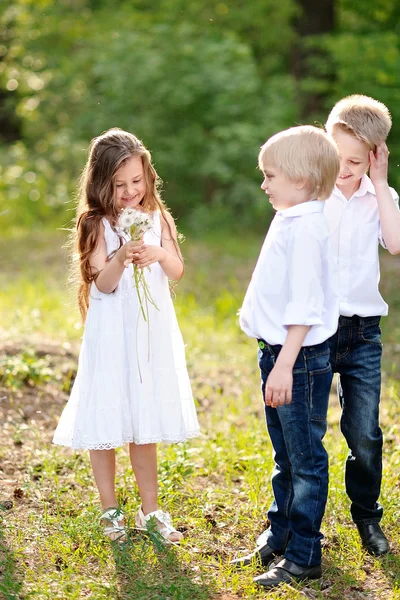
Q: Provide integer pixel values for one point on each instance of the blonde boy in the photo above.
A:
(291, 308)
(362, 212)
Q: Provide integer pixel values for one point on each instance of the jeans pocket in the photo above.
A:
(320, 384)
(371, 334)
(266, 363)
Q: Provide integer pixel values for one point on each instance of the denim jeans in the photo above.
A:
(300, 477)
(356, 353)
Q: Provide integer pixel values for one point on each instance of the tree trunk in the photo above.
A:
(309, 60)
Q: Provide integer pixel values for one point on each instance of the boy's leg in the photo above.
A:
(273, 541)
(279, 512)
(304, 425)
(359, 354)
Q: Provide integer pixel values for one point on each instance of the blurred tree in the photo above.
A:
(10, 124)
(192, 91)
(203, 83)
(366, 54)
(311, 63)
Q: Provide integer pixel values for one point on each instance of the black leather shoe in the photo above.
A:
(262, 555)
(287, 571)
(373, 538)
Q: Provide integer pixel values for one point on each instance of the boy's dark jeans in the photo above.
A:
(356, 353)
(300, 477)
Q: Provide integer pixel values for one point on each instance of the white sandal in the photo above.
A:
(163, 523)
(116, 529)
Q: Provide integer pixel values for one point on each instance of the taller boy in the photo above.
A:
(362, 212)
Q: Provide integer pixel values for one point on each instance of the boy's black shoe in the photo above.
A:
(287, 571)
(261, 555)
(373, 538)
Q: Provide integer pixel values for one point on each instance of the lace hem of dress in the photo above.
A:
(128, 440)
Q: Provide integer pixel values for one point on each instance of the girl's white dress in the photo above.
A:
(132, 384)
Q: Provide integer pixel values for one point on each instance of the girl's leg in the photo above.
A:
(103, 465)
(144, 465)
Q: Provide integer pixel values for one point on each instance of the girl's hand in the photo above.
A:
(378, 170)
(147, 255)
(128, 251)
(278, 389)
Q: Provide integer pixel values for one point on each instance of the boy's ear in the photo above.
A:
(301, 184)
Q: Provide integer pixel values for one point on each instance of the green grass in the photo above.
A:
(216, 487)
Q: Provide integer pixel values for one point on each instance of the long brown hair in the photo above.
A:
(96, 199)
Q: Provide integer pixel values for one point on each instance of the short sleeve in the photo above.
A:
(395, 197)
(306, 298)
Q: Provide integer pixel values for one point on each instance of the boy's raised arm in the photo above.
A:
(389, 215)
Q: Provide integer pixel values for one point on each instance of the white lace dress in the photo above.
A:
(132, 384)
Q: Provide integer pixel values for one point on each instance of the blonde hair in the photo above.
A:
(304, 153)
(366, 119)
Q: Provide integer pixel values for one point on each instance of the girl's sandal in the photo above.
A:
(114, 527)
(163, 524)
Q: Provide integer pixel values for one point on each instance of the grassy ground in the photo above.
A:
(216, 487)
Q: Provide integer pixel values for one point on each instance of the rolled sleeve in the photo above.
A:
(395, 197)
(306, 298)
(298, 313)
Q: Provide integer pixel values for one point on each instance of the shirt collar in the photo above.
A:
(366, 187)
(304, 208)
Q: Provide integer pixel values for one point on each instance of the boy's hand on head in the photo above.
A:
(378, 170)
(278, 389)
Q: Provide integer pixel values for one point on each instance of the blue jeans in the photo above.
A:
(300, 477)
(356, 353)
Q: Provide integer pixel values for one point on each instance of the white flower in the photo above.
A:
(135, 223)
(125, 220)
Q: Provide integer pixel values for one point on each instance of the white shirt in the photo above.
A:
(355, 234)
(294, 281)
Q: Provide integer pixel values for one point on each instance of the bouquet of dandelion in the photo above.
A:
(135, 223)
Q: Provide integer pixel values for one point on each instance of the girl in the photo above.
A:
(132, 384)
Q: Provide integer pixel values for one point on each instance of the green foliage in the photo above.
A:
(24, 368)
(191, 89)
(202, 83)
(362, 56)
(378, 52)
(10, 585)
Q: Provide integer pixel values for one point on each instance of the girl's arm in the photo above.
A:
(389, 215)
(172, 263)
(111, 271)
